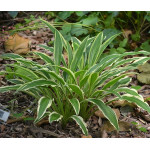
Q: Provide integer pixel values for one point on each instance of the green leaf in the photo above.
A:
(58, 47)
(127, 90)
(64, 14)
(135, 37)
(121, 50)
(25, 71)
(76, 105)
(36, 83)
(43, 104)
(113, 81)
(51, 49)
(106, 43)
(108, 33)
(9, 88)
(49, 25)
(84, 80)
(44, 57)
(107, 111)
(11, 56)
(54, 116)
(81, 13)
(78, 54)
(122, 82)
(78, 30)
(146, 46)
(56, 76)
(66, 28)
(123, 43)
(93, 77)
(136, 87)
(13, 13)
(68, 71)
(143, 129)
(106, 61)
(91, 20)
(16, 81)
(137, 101)
(140, 61)
(81, 123)
(95, 49)
(77, 90)
(69, 52)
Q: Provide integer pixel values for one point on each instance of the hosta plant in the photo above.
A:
(70, 87)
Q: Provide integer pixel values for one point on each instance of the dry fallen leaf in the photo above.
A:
(83, 136)
(123, 126)
(144, 67)
(2, 127)
(123, 103)
(104, 134)
(17, 44)
(126, 33)
(99, 113)
(144, 77)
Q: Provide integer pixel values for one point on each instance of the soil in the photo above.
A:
(23, 127)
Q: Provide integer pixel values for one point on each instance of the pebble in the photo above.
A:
(148, 128)
(34, 32)
(104, 134)
(18, 129)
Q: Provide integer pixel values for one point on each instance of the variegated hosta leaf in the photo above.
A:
(140, 61)
(58, 47)
(68, 71)
(54, 116)
(95, 49)
(25, 71)
(107, 111)
(56, 76)
(133, 92)
(81, 123)
(43, 104)
(78, 55)
(76, 105)
(51, 49)
(77, 90)
(9, 88)
(105, 44)
(137, 100)
(45, 115)
(93, 77)
(11, 56)
(16, 81)
(122, 82)
(113, 81)
(44, 57)
(69, 52)
(36, 83)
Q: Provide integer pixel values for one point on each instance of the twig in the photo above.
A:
(37, 130)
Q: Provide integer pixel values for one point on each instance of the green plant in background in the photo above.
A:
(140, 22)
(139, 127)
(75, 88)
(13, 14)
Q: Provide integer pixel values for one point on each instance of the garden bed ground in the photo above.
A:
(20, 127)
